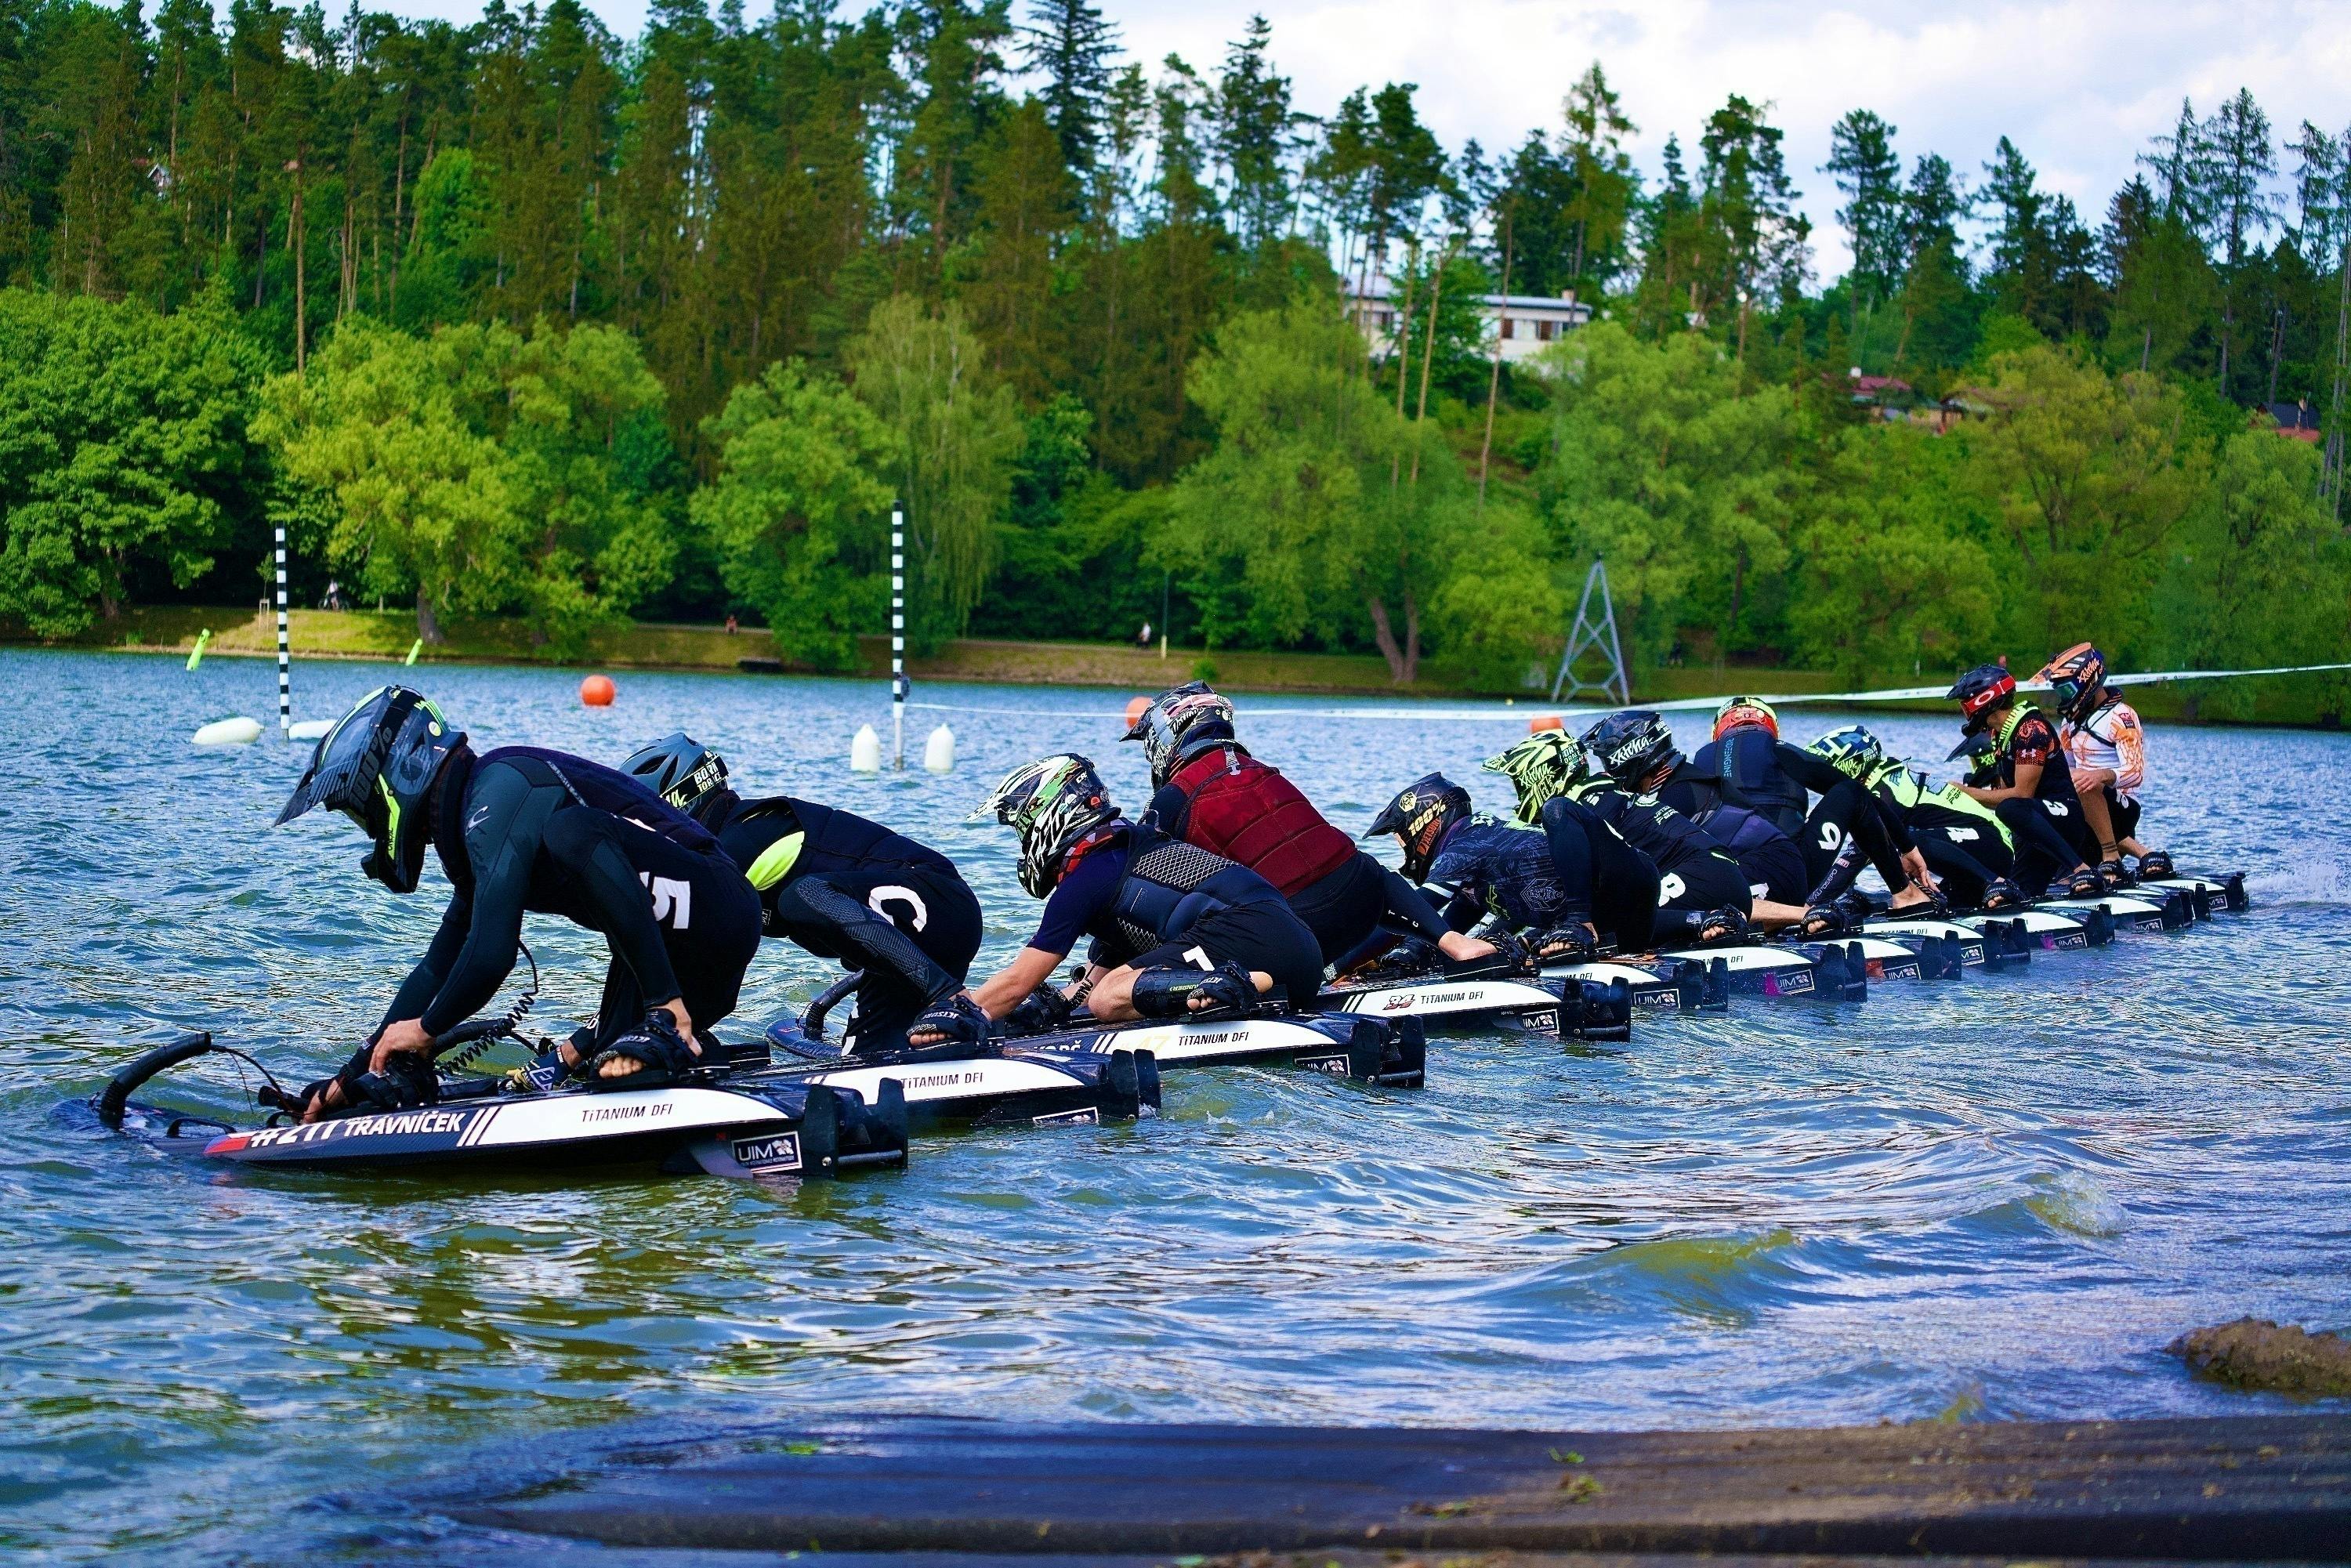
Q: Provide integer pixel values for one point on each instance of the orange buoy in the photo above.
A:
(1135, 709)
(597, 691)
(1546, 721)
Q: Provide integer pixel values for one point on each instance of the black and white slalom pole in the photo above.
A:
(898, 634)
(285, 652)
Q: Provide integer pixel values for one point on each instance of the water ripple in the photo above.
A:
(1983, 1200)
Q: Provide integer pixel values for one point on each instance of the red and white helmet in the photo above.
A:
(1193, 712)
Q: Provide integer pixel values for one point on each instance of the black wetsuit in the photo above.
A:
(1767, 857)
(1159, 902)
(1621, 884)
(519, 829)
(1694, 871)
(1781, 777)
(2045, 827)
(844, 887)
(1965, 843)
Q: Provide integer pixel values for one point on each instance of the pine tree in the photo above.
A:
(2239, 164)
(953, 47)
(1863, 162)
(1749, 204)
(2022, 274)
(2179, 164)
(1071, 46)
(1256, 136)
(1935, 284)
(1027, 202)
(1602, 183)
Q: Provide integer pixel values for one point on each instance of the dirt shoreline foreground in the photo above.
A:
(382, 635)
(2271, 1487)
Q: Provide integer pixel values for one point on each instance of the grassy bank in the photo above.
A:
(389, 634)
(2307, 700)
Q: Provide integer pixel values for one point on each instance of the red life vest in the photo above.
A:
(1247, 811)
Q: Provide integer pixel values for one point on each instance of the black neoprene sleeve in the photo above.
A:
(1411, 907)
(504, 818)
(425, 980)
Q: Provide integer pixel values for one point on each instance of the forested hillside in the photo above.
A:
(522, 319)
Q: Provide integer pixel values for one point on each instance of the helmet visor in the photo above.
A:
(343, 768)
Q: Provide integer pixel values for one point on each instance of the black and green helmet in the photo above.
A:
(377, 767)
(1546, 764)
(1852, 751)
(1053, 804)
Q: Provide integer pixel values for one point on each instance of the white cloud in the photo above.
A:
(2079, 85)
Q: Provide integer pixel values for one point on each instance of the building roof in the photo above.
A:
(1380, 288)
(2295, 415)
(1536, 302)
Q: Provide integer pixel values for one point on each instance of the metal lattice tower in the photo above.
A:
(1594, 634)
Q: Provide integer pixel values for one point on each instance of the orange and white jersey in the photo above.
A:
(2113, 739)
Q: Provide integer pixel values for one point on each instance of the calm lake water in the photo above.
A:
(1993, 1199)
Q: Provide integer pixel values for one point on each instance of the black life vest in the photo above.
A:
(1745, 764)
(1170, 883)
(1738, 830)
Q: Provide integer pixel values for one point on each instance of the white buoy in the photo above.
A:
(238, 731)
(938, 752)
(865, 751)
(309, 730)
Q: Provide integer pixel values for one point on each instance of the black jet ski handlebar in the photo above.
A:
(110, 1100)
(162, 1059)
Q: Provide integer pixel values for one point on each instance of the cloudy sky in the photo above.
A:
(2080, 85)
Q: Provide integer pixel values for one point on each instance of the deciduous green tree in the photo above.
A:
(797, 514)
(2088, 475)
(953, 432)
(124, 457)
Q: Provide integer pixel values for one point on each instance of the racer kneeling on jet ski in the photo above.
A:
(2106, 749)
(1640, 755)
(1176, 931)
(1211, 793)
(521, 829)
(1961, 838)
(1629, 748)
(896, 911)
(1748, 765)
(2022, 773)
(1486, 867)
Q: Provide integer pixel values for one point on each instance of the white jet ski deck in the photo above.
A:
(2167, 910)
(2024, 930)
(1549, 1004)
(1392, 1052)
(1388, 1050)
(1973, 952)
(716, 1126)
(2207, 893)
(1025, 1083)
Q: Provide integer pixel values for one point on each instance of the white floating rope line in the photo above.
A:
(1539, 709)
